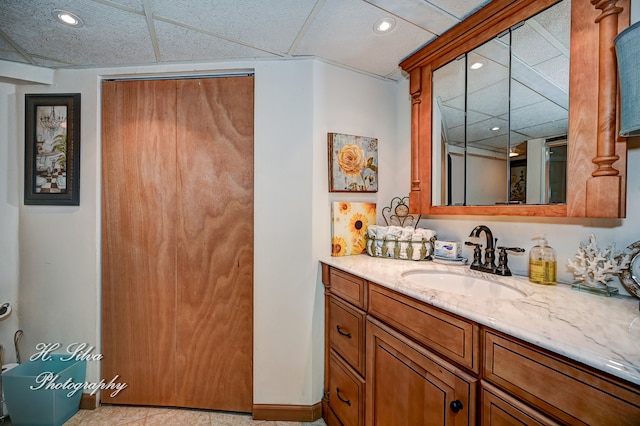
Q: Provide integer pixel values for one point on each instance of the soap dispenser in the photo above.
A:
(542, 262)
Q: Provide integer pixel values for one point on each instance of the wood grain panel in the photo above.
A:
(349, 287)
(214, 204)
(346, 333)
(408, 385)
(561, 388)
(138, 240)
(453, 337)
(499, 409)
(346, 393)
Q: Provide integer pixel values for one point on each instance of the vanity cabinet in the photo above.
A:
(391, 359)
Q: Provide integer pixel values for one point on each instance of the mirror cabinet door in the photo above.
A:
(496, 112)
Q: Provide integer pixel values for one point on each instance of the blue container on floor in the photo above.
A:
(37, 392)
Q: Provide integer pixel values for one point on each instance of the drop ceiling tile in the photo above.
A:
(130, 4)
(541, 112)
(109, 36)
(181, 44)
(273, 24)
(419, 12)
(12, 57)
(531, 47)
(557, 21)
(459, 8)
(340, 25)
(556, 70)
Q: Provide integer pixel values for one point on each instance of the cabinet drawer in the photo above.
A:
(499, 409)
(346, 333)
(349, 287)
(565, 390)
(453, 337)
(346, 393)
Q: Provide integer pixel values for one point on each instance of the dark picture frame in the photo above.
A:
(52, 149)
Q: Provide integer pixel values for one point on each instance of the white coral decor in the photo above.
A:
(595, 267)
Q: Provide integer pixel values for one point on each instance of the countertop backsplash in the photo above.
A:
(564, 235)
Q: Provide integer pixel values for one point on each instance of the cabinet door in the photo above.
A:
(408, 385)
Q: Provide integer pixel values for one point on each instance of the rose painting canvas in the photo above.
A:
(350, 222)
(353, 163)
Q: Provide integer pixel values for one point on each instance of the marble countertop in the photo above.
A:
(602, 332)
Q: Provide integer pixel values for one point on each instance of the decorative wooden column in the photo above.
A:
(416, 90)
(604, 187)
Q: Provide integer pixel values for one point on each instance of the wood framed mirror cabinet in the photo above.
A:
(596, 156)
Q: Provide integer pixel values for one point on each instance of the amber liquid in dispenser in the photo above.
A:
(542, 263)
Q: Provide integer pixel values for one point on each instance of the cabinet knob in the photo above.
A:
(456, 405)
(346, 401)
(347, 334)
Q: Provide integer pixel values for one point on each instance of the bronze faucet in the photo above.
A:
(489, 264)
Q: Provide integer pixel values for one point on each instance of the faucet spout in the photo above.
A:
(489, 264)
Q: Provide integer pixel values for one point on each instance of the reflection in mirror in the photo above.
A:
(500, 117)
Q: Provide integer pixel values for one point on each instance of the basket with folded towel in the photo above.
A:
(400, 242)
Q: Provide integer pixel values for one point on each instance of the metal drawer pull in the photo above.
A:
(342, 332)
(346, 401)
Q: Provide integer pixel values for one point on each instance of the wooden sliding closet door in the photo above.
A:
(177, 246)
(215, 243)
(138, 240)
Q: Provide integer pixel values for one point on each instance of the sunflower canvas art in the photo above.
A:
(349, 225)
(353, 163)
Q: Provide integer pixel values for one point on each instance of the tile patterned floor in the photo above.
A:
(109, 415)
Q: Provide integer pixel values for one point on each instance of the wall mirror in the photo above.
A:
(500, 115)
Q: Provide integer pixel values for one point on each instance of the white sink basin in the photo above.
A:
(464, 285)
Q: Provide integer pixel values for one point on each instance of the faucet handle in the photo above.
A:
(477, 254)
(503, 268)
(511, 249)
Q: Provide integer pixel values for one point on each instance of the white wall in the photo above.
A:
(296, 104)
(9, 206)
(350, 103)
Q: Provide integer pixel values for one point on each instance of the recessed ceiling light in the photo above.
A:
(495, 128)
(384, 25)
(478, 64)
(67, 18)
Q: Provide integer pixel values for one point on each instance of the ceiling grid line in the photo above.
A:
(152, 29)
(17, 47)
(305, 27)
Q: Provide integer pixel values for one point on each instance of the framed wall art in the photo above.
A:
(353, 163)
(349, 224)
(52, 149)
